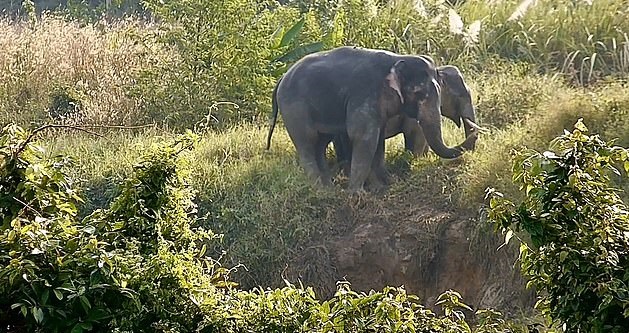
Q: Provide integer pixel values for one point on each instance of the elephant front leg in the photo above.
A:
(414, 140)
(379, 177)
(364, 149)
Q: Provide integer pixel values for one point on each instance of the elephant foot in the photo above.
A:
(357, 192)
(323, 182)
(376, 183)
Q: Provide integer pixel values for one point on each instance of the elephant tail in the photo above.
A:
(273, 119)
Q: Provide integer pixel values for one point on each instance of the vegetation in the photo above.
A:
(578, 230)
(140, 265)
(534, 67)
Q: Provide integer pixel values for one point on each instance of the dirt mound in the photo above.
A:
(422, 243)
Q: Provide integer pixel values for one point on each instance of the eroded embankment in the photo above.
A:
(416, 239)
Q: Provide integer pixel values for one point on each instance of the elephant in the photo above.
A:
(456, 104)
(353, 92)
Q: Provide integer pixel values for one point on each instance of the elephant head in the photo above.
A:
(415, 80)
(457, 101)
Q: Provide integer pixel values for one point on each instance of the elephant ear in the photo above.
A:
(394, 79)
(452, 79)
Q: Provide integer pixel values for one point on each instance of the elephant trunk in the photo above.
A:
(433, 135)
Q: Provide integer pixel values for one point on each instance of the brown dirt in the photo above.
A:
(424, 244)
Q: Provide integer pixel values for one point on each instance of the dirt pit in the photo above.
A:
(424, 245)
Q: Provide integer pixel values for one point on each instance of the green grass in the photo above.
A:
(267, 209)
(605, 110)
(527, 78)
(578, 40)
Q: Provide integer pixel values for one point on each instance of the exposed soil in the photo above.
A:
(423, 244)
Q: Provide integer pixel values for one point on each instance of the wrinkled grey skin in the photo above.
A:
(352, 93)
(456, 104)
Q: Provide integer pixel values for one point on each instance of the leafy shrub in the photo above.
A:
(56, 275)
(135, 265)
(152, 220)
(140, 264)
(64, 104)
(577, 255)
(224, 53)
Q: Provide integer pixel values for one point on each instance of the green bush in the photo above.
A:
(224, 55)
(135, 265)
(56, 275)
(140, 264)
(577, 231)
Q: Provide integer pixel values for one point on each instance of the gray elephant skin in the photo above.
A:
(352, 93)
(456, 104)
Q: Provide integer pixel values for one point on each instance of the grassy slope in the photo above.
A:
(261, 200)
(267, 210)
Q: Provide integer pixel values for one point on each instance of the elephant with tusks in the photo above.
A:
(357, 97)
(456, 104)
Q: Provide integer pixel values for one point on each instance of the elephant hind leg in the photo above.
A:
(343, 150)
(307, 145)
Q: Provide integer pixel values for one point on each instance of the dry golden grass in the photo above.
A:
(94, 64)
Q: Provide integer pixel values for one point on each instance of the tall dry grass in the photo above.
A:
(91, 65)
(581, 40)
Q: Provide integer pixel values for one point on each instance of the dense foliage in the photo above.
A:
(209, 64)
(130, 266)
(576, 252)
(141, 264)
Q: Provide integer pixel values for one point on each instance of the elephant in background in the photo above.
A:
(352, 93)
(456, 104)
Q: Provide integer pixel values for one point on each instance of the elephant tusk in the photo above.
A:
(475, 126)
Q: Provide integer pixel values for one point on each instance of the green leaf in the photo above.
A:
(508, 236)
(292, 33)
(581, 126)
(626, 166)
(275, 37)
(58, 294)
(300, 52)
(16, 305)
(85, 303)
(89, 229)
(38, 314)
(77, 329)
(44, 296)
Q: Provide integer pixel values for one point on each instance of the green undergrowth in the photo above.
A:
(605, 108)
(141, 262)
(267, 209)
(260, 200)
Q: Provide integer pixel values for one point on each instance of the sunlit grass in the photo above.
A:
(92, 65)
(582, 40)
